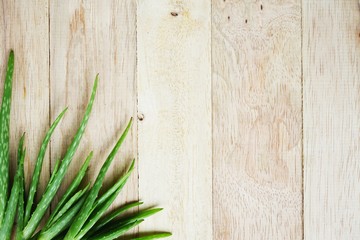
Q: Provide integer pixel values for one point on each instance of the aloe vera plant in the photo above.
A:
(80, 213)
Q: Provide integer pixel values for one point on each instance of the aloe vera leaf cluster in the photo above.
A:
(80, 213)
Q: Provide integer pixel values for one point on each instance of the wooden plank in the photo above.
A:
(174, 103)
(24, 28)
(257, 119)
(331, 59)
(87, 38)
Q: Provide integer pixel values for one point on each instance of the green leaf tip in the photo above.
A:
(153, 236)
(51, 189)
(38, 166)
(73, 186)
(85, 211)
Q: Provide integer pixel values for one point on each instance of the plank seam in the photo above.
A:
(302, 130)
(212, 123)
(137, 108)
(49, 89)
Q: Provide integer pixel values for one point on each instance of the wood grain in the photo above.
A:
(331, 59)
(257, 119)
(219, 108)
(174, 103)
(89, 37)
(24, 27)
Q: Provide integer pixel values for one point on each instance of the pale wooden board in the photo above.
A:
(174, 96)
(87, 38)
(257, 119)
(331, 59)
(24, 28)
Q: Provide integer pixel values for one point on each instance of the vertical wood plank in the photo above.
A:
(24, 28)
(331, 60)
(257, 119)
(89, 37)
(174, 104)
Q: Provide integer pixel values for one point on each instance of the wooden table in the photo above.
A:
(248, 111)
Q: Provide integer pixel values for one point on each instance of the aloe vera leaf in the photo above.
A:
(73, 186)
(68, 204)
(96, 213)
(55, 184)
(114, 214)
(21, 204)
(114, 232)
(63, 222)
(10, 212)
(53, 174)
(118, 223)
(153, 236)
(60, 236)
(38, 167)
(109, 192)
(4, 135)
(135, 217)
(85, 210)
(99, 211)
(35, 236)
(56, 167)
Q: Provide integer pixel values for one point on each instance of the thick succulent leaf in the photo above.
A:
(115, 187)
(53, 174)
(103, 201)
(60, 236)
(114, 214)
(135, 217)
(55, 184)
(10, 213)
(73, 186)
(35, 236)
(97, 212)
(122, 222)
(4, 135)
(78, 214)
(38, 166)
(114, 232)
(63, 222)
(86, 208)
(21, 204)
(69, 204)
(152, 236)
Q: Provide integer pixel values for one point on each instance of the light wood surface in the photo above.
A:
(25, 29)
(257, 119)
(247, 111)
(87, 38)
(174, 98)
(331, 58)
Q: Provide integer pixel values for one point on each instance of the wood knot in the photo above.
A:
(141, 117)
